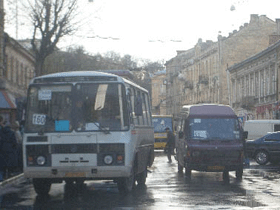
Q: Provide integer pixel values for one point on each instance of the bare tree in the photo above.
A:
(51, 19)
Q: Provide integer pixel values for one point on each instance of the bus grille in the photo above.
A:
(73, 148)
(222, 157)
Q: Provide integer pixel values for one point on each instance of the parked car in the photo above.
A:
(265, 149)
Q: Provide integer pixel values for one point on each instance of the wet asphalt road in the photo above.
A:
(165, 189)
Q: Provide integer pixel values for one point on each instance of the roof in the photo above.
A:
(208, 110)
(54, 77)
(7, 101)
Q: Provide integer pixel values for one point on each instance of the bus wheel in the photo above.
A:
(226, 176)
(188, 173)
(126, 184)
(69, 182)
(141, 178)
(180, 168)
(42, 186)
(239, 173)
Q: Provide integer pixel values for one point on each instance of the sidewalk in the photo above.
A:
(11, 180)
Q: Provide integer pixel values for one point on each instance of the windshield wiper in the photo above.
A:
(101, 128)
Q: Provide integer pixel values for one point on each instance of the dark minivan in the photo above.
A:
(210, 139)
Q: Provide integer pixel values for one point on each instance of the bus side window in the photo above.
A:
(129, 104)
(133, 99)
(148, 111)
(138, 108)
(145, 113)
(138, 105)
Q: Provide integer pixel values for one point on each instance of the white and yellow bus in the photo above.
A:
(87, 125)
(161, 122)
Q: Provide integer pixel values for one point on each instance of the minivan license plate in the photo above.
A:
(215, 168)
(75, 174)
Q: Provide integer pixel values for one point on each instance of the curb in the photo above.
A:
(12, 180)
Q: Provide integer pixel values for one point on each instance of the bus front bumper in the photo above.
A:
(104, 172)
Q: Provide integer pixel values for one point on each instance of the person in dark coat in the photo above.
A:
(170, 144)
(9, 153)
(2, 162)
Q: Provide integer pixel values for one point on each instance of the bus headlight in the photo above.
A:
(41, 160)
(108, 159)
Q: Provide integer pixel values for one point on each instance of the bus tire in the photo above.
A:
(42, 186)
(239, 173)
(226, 176)
(141, 178)
(126, 184)
(188, 173)
(180, 168)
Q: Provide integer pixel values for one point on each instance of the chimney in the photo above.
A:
(278, 26)
(254, 18)
(275, 37)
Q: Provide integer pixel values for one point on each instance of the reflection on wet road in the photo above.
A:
(165, 189)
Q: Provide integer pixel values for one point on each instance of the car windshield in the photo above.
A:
(214, 129)
(83, 107)
(160, 123)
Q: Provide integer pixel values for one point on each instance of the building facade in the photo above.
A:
(18, 70)
(158, 82)
(199, 75)
(254, 85)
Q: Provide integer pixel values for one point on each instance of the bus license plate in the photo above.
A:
(215, 168)
(75, 174)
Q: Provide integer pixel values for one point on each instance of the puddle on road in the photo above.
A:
(247, 198)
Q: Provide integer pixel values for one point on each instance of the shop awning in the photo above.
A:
(7, 101)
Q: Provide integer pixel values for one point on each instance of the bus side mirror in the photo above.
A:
(181, 134)
(245, 134)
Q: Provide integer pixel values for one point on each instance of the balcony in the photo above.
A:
(188, 84)
(203, 79)
(248, 102)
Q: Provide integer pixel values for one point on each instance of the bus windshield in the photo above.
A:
(160, 123)
(83, 107)
(214, 129)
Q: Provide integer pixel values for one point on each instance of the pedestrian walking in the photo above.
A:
(170, 144)
(9, 156)
(18, 135)
(2, 162)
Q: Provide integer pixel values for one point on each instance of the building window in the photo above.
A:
(17, 72)
(247, 86)
(252, 91)
(21, 74)
(25, 76)
(262, 86)
(233, 92)
(12, 70)
(257, 86)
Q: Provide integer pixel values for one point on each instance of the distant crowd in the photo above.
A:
(10, 149)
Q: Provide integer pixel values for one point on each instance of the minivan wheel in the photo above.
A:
(188, 173)
(261, 157)
(42, 186)
(226, 176)
(239, 173)
(180, 168)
